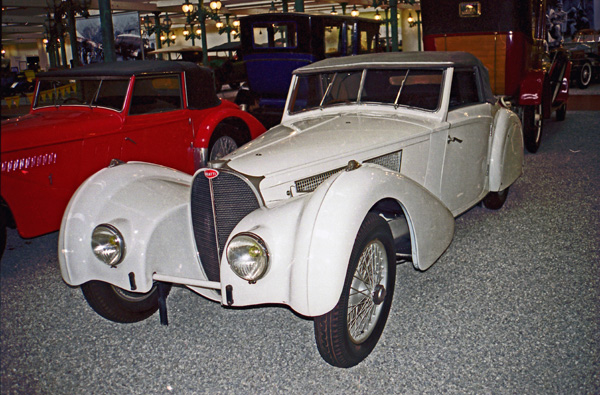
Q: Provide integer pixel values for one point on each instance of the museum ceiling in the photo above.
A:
(23, 20)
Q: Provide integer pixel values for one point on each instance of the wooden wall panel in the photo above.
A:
(489, 48)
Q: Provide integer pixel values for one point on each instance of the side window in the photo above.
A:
(464, 89)
(156, 94)
(275, 35)
(332, 41)
(368, 42)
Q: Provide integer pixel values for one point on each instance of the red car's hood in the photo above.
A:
(56, 126)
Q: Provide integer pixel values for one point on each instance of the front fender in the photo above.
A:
(506, 159)
(343, 210)
(310, 238)
(532, 88)
(149, 205)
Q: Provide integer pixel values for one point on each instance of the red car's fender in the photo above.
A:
(531, 91)
(205, 126)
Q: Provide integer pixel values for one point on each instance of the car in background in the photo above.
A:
(275, 44)
(375, 157)
(222, 59)
(81, 119)
(585, 55)
(509, 37)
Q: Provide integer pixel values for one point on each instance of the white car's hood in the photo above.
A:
(313, 141)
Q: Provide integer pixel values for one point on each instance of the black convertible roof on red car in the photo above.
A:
(200, 85)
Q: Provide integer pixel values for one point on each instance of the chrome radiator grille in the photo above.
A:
(390, 161)
(217, 206)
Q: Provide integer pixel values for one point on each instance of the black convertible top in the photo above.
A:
(200, 85)
(404, 59)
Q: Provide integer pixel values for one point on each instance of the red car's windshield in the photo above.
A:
(109, 93)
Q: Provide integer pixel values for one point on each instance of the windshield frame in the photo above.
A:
(295, 96)
(58, 100)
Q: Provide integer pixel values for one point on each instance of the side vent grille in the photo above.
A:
(390, 161)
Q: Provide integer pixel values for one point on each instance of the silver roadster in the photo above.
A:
(374, 158)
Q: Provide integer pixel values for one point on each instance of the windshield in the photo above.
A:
(414, 87)
(108, 93)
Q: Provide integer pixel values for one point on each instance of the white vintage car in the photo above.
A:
(375, 157)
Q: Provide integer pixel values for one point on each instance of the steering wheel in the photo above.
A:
(73, 99)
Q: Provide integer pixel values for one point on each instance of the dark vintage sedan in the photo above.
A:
(81, 119)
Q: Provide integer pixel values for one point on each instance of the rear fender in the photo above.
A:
(205, 128)
(149, 205)
(506, 159)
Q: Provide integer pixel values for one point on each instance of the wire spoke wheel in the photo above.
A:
(364, 304)
(349, 332)
(223, 146)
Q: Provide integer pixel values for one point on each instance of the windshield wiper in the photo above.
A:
(400, 90)
(327, 91)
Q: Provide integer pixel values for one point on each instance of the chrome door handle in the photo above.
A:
(453, 139)
(128, 139)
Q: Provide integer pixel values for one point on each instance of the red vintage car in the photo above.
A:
(154, 111)
(509, 37)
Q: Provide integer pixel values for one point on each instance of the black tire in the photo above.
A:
(561, 112)
(584, 78)
(495, 200)
(341, 343)
(118, 305)
(3, 226)
(225, 139)
(533, 125)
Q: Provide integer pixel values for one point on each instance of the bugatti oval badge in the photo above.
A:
(210, 174)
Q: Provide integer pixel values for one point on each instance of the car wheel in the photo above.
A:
(3, 226)
(585, 76)
(495, 200)
(118, 305)
(348, 333)
(533, 123)
(225, 139)
(561, 113)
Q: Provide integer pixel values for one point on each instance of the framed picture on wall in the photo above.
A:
(129, 44)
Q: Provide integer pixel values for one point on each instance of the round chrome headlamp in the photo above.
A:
(248, 256)
(108, 244)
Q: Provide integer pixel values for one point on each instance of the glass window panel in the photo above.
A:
(156, 94)
(275, 35)
(464, 88)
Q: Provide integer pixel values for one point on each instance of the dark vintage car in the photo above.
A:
(275, 44)
(585, 55)
(228, 69)
(512, 46)
(82, 119)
